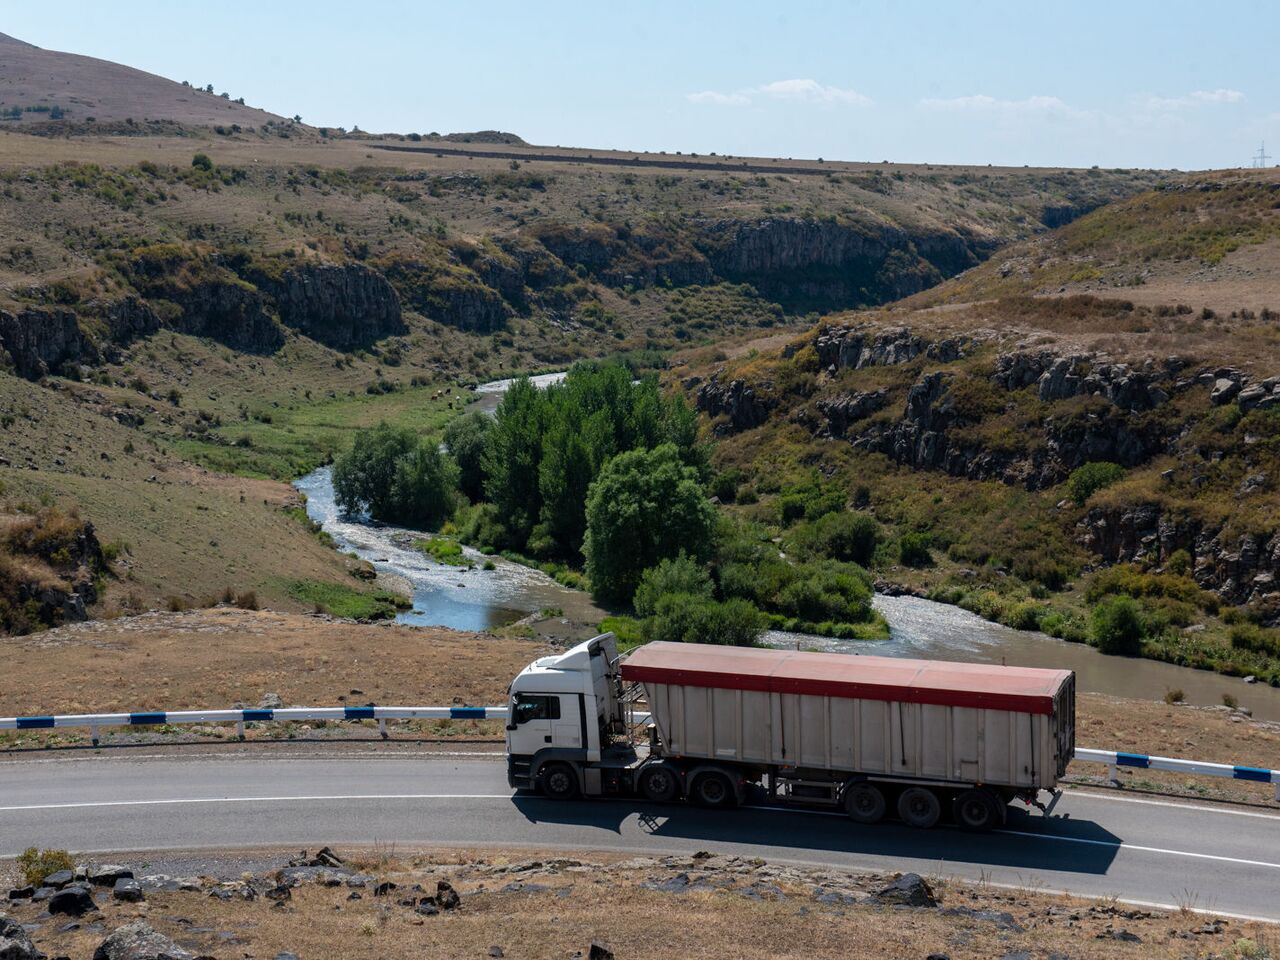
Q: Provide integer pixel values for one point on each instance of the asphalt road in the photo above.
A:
(1143, 850)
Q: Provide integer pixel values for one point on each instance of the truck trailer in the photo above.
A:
(869, 735)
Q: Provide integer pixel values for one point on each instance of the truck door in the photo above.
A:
(532, 715)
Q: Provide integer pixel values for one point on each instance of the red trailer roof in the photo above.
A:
(1023, 689)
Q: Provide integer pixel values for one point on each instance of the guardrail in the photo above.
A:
(95, 721)
(1116, 759)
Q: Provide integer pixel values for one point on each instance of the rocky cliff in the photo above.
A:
(50, 566)
(37, 341)
(343, 306)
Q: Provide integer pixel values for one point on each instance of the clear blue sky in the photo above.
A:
(1117, 83)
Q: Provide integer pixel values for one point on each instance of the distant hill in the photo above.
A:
(40, 86)
(485, 136)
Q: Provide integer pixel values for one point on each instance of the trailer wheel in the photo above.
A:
(659, 784)
(919, 807)
(977, 810)
(865, 803)
(559, 782)
(714, 790)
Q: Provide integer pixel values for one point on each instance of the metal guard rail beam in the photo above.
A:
(1112, 758)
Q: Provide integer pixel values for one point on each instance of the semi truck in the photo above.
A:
(713, 725)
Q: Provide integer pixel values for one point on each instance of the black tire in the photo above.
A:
(865, 803)
(559, 781)
(713, 790)
(978, 810)
(659, 783)
(919, 807)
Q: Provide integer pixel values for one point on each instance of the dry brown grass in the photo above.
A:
(603, 899)
(218, 657)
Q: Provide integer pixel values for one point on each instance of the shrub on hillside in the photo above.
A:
(35, 865)
(845, 535)
(1088, 479)
(1118, 626)
(913, 550)
(201, 161)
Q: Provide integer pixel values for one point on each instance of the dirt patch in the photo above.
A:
(558, 906)
(224, 656)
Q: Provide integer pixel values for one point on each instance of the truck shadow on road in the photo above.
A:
(1029, 842)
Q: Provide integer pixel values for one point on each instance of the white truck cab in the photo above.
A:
(564, 713)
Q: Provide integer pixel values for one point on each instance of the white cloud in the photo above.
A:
(720, 99)
(811, 91)
(803, 90)
(1197, 98)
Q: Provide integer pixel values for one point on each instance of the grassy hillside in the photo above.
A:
(1035, 450)
(194, 317)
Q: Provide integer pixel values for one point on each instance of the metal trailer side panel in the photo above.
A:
(874, 737)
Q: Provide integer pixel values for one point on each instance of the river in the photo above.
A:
(479, 599)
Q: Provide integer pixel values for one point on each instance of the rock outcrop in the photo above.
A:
(856, 347)
(343, 306)
(736, 402)
(40, 340)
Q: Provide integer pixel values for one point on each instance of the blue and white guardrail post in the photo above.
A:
(1116, 759)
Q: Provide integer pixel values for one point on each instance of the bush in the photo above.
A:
(724, 486)
(683, 618)
(1023, 616)
(673, 575)
(35, 865)
(1088, 479)
(1176, 695)
(201, 161)
(1229, 701)
(847, 536)
(913, 550)
(1179, 563)
(1064, 626)
(248, 600)
(1118, 626)
(1248, 636)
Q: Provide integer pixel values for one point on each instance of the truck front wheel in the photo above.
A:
(713, 790)
(978, 810)
(919, 807)
(559, 781)
(864, 802)
(659, 784)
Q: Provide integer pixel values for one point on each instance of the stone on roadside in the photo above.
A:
(446, 896)
(139, 941)
(107, 875)
(73, 900)
(127, 890)
(15, 942)
(909, 890)
(59, 879)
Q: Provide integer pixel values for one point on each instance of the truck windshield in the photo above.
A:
(534, 707)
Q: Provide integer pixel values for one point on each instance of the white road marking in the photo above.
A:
(1133, 846)
(183, 800)
(1177, 806)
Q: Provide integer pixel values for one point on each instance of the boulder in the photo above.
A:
(127, 890)
(74, 900)
(599, 952)
(59, 879)
(22, 893)
(909, 890)
(1250, 396)
(107, 875)
(1224, 391)
(15, 942)
(139, 941)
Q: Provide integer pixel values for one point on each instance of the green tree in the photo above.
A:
(363, 477)
(674, 575)
(646, 505)
(465, 438)
(511, 458)
(913, 549)
(1118, 626)
(424, 490)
